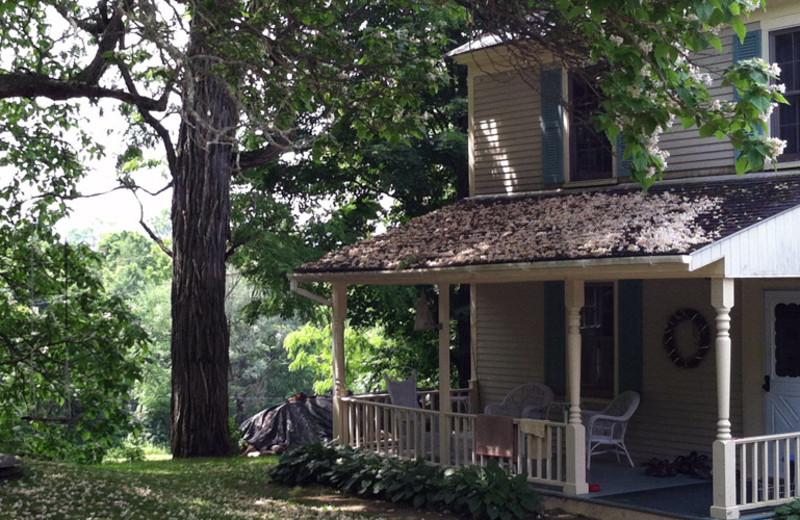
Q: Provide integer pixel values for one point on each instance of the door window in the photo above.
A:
(787, 340)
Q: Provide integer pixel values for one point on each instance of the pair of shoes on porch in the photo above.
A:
(659, 468)
(694, 465)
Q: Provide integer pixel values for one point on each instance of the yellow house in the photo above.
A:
(688, 296)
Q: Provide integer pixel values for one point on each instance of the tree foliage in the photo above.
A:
(69, 352)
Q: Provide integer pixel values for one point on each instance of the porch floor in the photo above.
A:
(627, 493)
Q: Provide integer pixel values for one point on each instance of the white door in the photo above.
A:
(782, 374)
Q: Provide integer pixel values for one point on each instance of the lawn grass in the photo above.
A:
(194, 489)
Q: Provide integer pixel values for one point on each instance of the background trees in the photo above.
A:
(245, 82)
(69, 353)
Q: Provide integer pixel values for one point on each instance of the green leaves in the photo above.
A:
(69, 353)
(488, 492)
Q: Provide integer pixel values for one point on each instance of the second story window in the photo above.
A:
(572, 150)
(590, 153)
(786, 125)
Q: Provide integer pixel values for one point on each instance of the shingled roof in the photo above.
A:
(673, 219)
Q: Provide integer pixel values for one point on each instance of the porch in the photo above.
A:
(528, 268)
(616, 490)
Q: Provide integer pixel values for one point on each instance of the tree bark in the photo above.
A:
(201, 228)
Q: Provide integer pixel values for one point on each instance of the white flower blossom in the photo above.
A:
(645, 47)
(617, 40)
(776, 146)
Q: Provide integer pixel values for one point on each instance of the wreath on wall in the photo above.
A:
(700, 332)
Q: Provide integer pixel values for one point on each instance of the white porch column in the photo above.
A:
(722, 301)
(574, 302)
(444, 373)
(339, 370)
(576, 432)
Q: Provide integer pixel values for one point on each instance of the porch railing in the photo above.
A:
(374, 425)
(754, 473)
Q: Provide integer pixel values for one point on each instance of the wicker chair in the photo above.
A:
(529, 401)
(607, 428)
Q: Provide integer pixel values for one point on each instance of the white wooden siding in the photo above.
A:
(678, 412)
(506, 131)
(510, 337)
(759, 250)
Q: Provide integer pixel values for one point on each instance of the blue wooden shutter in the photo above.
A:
(552, 127)
(555, 337)
(750, 48)
(631, 344)
(623, 166)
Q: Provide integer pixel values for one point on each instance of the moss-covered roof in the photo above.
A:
(673, 219)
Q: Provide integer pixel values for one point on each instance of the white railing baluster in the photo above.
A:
(766, 468)
(378, 426)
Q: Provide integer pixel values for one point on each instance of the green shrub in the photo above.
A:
(130, 449)
(489, 492)
(476, 492)
(790, 511)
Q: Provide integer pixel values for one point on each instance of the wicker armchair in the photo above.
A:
(607, 428)
(529, 401)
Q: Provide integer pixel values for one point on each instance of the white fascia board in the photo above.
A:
(768, 249)
(668, 266)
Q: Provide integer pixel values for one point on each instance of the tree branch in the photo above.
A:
(149, 231)
(255, 158)
(155, 124)
(30, 85)
(113, 31)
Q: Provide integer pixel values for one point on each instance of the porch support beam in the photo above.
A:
(576, 432)
(722, 301)
(444, 373)
(574, 303)
(339, 370)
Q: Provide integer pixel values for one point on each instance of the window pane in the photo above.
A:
(787, 75)
(790, 136)
(796, 45)
(783, 47)
(590, 153)
(787, 113)
(787, 340)
(598, 359)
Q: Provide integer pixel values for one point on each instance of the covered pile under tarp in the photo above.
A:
(300, 420)
(9, 466)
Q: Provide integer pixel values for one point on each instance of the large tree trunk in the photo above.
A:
(200, 229)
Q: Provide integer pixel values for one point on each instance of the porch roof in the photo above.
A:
(688, 225)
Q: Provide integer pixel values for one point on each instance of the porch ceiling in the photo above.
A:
(609, 233)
